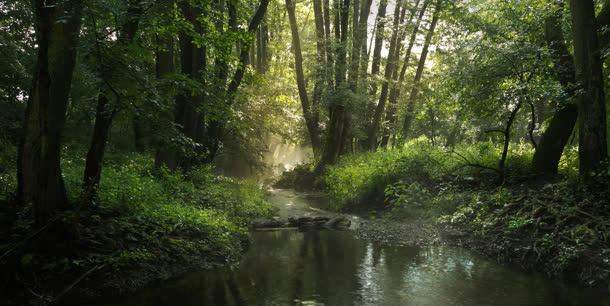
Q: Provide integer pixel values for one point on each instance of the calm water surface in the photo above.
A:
(334, 268)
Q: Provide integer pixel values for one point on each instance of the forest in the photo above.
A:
(143, 139)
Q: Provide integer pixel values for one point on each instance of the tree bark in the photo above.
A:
(418, 74)
(389, 70)
(509, 124)
(592, 146)
(312, 126)
(395, 92)
(215, 128)
(105, 109)
(335, 137)
(40, 182)
(165, 155)
(378, 44)
(192, 61)
(359, 34)
(556, 136)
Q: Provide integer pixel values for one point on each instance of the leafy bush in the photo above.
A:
(418, 165)
(141, 215)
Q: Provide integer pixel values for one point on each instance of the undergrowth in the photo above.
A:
(380, 176)
(141, 217)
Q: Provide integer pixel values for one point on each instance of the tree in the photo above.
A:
(336, 132)
(165, 156)
(40, 182)
(105, 109)
(551, 144)
(395, 92)
(389, 70)
(308, 109)
(215, 129)
(592, 146)
(420, 69)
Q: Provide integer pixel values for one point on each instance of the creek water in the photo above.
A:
(334, 268)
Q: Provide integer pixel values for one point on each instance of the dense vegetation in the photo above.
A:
(557, 227)
(118, 118)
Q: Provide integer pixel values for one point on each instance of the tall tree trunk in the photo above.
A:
(418, 74)
(336, 127)
(140, 134)
(359, 34)
(312, 126)
(261, 45)
(395, 92)
(389, 70)
(259, 51)
(215, 129)
(40, 181)
(592, 146)
(506, 133)
(165, 156)
(556, 136)
(105, 110)
(378, 45)
(192, 62)
(328, 43)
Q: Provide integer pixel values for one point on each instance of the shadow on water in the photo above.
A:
(334, 268)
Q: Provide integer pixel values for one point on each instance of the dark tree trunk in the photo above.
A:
(141, 133)
(105, 109)
(40, 181)
(335, 137)
(509, 124)
(418, 74)
(359, 34)
(556, 136)
(592, 146)
(328, 43)
(261, 46)
(312, 126)
(453, 135)
(192, 63)
(165, 155)
(215, 128)
(395, 92)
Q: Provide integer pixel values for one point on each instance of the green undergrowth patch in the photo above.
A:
(141, 218)
(560, 228)
(302, 177)
(418, 177)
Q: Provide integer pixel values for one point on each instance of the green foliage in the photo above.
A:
(141, 216)
(365, 175)
(555, 226)
(403, 199)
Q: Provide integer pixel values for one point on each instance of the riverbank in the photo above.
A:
(530, 229)
(144, 225)
(421, 194)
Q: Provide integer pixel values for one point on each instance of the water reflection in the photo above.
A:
(333, 268)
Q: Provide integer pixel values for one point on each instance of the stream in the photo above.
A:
(330, 267)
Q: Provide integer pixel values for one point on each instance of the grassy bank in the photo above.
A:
(559, 227)
(144, 224)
